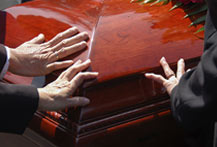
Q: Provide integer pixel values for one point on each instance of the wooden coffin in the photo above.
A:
(126, 40)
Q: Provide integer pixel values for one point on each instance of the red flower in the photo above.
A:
(193, 1)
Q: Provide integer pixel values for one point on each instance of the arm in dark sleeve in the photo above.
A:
(18, 103)
(194, 100)
(3, 57)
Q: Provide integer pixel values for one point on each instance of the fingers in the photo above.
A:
(167, 70)
(180, 69)
(80, 77)
(77, 101)
(63, 35)
(71, 41)
(158, 78)
(68, 102)
(64, 52)
(74, 69)
(37, 40)
(58, 65)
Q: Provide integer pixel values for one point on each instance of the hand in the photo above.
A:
(172, 79)
(35, 58)
(56, 95)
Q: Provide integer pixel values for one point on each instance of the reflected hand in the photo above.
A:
(35, 58)
(172, 79)
(56, 95)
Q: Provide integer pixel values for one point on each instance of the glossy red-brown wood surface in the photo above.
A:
(126, 40)
(50, 17)
(131, 38)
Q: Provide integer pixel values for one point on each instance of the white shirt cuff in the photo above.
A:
(5, 68)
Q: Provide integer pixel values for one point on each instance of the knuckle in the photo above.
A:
(54, 67)
(64, 42)
(75, 68)
(63, 49)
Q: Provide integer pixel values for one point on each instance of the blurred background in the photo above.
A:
(8, 3)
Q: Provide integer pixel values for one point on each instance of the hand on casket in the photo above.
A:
(172, 79)
(35, 58)
(56, 95)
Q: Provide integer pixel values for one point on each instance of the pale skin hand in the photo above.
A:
(35, 58)
(171, 79)
(57, 95)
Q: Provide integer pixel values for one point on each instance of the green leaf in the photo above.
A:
(166, 2)
(201, 9)
(199, 30)
(136, 1)
(159, 1)
(147, 1)
(199, 20)
(178, 4)
(194, 5)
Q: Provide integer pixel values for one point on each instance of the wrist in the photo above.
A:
(43, 99)
(13, 60)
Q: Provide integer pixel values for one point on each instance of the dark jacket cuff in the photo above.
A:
(3, 56)
(17, 106)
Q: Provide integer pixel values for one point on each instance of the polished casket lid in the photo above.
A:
(126, 40)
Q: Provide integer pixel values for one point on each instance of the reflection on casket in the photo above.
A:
(126, 41)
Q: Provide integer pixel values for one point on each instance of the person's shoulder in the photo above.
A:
(212, 8)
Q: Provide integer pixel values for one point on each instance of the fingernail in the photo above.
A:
(85, 33)
(88, 60)
(85, 101)
(83, 43)
(163, 59)
(78, 61)
(69, 61)
(40, 35)
(147, 74)
(73, 28)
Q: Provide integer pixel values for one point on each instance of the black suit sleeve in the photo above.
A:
(3, 57)
(194, 99)
(17, 103)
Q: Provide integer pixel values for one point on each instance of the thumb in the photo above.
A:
(37, 40)
(77, 101)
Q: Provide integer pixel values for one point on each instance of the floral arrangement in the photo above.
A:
(192, 8)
